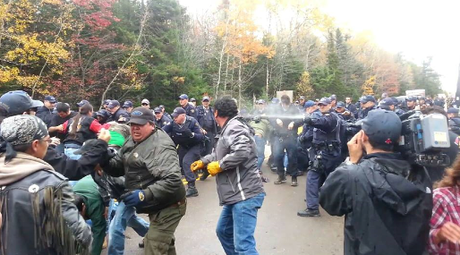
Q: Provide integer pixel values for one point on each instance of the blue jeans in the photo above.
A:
(124, 216)
(237, 224)
(260, 143)
(69, 150)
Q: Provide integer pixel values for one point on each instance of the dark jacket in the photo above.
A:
(165, 120)
(364, 112)
(454, 125)
(153, 166)
(387, 206)
(205, 118)
(190, 110)
(45, 114)
(237, 155)
(77, 169)
(34, 200)
(119, 113)
(291, 114)
(186, 135)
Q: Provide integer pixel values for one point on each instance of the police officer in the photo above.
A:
(205, 117)
(396, 104)
(367, 104)
(454, 120)
(351, 107)
(118, 114)
(343, 112)
(285, 131)
(45, 112)
(186, 132)
(411, 103)
(305, 139)
(161, 120)
(128, 106)
(325, 154)
(189, 108)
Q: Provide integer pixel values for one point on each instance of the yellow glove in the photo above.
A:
(214, 168)
(197, 165)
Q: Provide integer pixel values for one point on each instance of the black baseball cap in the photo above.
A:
(382, 127)
(157, 110)
(17, 102)
(411, 98)
(340, 104)
(82, 102)
(51, 99)
(452, 110)
(178, 111)
(127, 104)
(113, 104)
(368, 98)
(324, 101)
(141, 116)
(192, 99)
(183, 96)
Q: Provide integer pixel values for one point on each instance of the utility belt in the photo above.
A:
(328, 147)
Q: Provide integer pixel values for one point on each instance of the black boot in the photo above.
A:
(191, 190)
(308, 213)
(281, 179)
(294, 181)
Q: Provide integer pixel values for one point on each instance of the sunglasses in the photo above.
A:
(145, 104)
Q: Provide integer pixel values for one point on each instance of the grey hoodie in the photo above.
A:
(236, 152)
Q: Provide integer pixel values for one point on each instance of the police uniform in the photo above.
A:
(163, 121)
(190, 110)
(205, 117)
(325, 154)
(189, 138)
(305, 142)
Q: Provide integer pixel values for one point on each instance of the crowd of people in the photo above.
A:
(79, 178)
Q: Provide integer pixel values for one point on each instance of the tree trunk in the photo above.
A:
(267, 79)
(240, 83)
(226, 74)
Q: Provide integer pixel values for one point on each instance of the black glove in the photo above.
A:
(307, 120)
(187, 133)
(256, 119)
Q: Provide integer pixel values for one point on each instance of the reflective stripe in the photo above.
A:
(243, 197)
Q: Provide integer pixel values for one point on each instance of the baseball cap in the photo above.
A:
(23, 129)
(141, 116)
(127, 104)
(145, 101)
(178, 111)
(18, 101)
(157, 110)
(107, 101)
(51, 99)
(333, 97)
(340, 104)
(103, 113)
(368, 98)
(82, 102)
(309, 103)
(183, 96)
(113, 104)
(260, 101)
(386, 103)
(205, 98)
(452, 110)
(275, 100)
(192, 99)
(411, 98)
(382, 127)
(324, 101)
(301, 98)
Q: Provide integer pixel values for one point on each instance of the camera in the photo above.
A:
(424, 139)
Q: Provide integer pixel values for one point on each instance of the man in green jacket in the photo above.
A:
(91, 206)
(150, 164)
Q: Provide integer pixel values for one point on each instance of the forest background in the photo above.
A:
(130, 49)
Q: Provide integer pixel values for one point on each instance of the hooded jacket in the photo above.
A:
(386, 203)
(38, 212)
(236, 152)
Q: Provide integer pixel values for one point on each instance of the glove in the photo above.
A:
(214, 168)
(307, 120)
(197, 165)
(133, 198)
(187, 133)
(256, 119)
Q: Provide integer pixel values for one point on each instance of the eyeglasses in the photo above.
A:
(144, 104)
(157, 113)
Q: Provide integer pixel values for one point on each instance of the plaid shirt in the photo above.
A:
(446, 207)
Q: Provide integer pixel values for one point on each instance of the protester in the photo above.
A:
(445, 222)
(239, 186)
(40, 217)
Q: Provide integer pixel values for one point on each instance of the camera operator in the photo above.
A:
(454, 120)
(387, 202)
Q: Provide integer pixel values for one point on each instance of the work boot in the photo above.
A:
(308, 213)
(273, 167)
(294, 181)
(205, 175)
(141, 244)
(191, 190)
(280, 180)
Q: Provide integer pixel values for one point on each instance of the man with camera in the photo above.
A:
(387, 201)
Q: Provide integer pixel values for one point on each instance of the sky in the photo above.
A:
(416, 28)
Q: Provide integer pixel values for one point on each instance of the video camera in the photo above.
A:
(424, 138)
